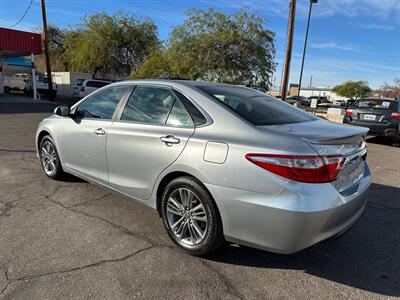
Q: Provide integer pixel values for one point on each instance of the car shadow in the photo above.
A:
(366, 257)
(382, 140)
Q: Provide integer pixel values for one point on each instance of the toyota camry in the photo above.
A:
(218, 162)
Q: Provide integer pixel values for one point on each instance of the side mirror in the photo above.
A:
(62, 110)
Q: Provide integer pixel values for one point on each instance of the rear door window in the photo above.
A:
(156, 105)
(179, 116)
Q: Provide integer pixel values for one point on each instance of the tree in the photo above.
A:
(352, 89)
(115, 44)
(156, 65)
(217, 47)
(390, 90)
(56, 48)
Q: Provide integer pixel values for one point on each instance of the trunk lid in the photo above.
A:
(328, 138)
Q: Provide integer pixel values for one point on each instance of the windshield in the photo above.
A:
(375, 103)
(79, 82)
(257, 108)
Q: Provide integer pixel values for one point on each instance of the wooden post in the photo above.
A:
(286, 71)
(46, 52)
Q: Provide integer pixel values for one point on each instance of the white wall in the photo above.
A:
(332, 96)
(65, 81)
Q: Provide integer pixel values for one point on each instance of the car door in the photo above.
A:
(84, 136)
(149, 135)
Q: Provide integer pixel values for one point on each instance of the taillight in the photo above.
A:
(395, 116)
(349, 112)
(82, 88)
(310, 169)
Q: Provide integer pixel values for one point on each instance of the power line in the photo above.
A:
(23, 16)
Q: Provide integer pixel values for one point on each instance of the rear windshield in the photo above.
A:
(79, 82)
(257, 108)
(96, 84)
(375, 103)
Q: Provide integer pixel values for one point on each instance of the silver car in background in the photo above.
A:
(218, 162)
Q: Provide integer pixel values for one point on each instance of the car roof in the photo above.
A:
(95, 80)
(179, 82)
(378, 99)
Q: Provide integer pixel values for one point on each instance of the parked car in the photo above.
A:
(42, 86)
(218, 162)
(322, 101)
(380, 115)
(84, 87)
(349, 102)
(340, 103)
(16, 82)
(299, 100)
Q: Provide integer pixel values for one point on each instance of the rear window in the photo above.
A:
(79, 82)
(375, 104)
(96, 84)
(257, 108)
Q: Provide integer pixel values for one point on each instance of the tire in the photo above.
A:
(199, 231)
(48, 153)
(6, 89)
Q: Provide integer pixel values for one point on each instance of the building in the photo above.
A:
(66, 80)
(321, 92)
(316, 92)
(16, 43)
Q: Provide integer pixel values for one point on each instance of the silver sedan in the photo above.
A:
(218, 162)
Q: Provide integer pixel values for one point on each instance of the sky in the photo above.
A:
(348, 39)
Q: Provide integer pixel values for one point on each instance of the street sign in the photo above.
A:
(314, 103)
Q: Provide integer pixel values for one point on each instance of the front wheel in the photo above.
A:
(49, 158)
(191, 217)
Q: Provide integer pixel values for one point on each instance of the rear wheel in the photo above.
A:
(49, 158)
(191, 217)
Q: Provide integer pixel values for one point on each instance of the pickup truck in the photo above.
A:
(16, 82)
(41, 86)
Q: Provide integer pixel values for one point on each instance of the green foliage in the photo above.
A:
(352, 89)
(56, 39)
(110, 44)
(216, 47)
(156, 65)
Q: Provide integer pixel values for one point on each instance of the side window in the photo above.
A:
(179, 116)
(149, 104)
(101, 105)
(196, 115)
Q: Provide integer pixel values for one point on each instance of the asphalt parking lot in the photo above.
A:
(73, 240)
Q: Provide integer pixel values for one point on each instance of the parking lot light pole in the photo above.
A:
(305, 44)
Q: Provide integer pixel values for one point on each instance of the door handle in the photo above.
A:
(169, 140)
(99, 131)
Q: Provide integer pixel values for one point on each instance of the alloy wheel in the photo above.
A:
(49, 158)
(186, 216)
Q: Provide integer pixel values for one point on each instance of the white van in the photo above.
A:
(84, 87)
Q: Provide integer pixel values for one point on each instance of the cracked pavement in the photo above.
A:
(74, 240)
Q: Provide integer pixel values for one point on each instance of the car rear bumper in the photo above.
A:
(295, 218)
(384, 129)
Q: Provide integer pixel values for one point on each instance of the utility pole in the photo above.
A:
(305, 44)
(289, 44)
(46, 52)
